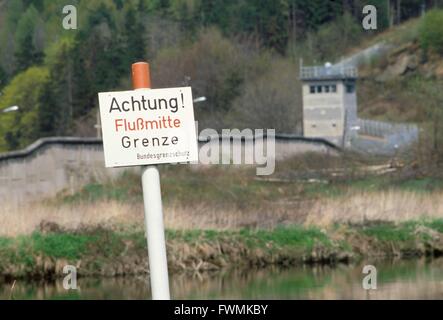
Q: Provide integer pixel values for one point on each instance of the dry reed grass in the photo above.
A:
(24, 219)
(391, 205)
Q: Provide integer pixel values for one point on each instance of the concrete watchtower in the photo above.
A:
(329, 102)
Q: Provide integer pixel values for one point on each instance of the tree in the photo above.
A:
(273, 100)
(20, 128)
(134, 36)
(3, 78)
(98, 57)
(14, 10)
(266, 19)
(57, 102)
(431, 31)
(314, 13)
(187, 13)
(26, 53)
(213, 66)
(344, 32)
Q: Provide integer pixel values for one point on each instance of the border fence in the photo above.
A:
(386, 138)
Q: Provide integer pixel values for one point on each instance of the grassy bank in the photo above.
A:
(308, 177)
(109, 253)
(314, 209)
(312, 190)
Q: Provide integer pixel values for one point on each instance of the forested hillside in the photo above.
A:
(242, 55)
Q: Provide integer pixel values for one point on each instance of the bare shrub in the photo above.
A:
(214, 66)
(273, 100)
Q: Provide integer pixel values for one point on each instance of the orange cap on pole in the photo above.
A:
(141, 76)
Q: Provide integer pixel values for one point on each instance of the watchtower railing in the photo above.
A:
(328, 72)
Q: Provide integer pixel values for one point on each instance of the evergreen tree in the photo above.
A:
(57, 98)
(134, 36)
(3, 78)
(266, 19)
(26, 53)
(48, 115)
(98, 59)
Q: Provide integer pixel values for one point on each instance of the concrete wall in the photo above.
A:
(52, 165)
(351, 119)
(49, 166)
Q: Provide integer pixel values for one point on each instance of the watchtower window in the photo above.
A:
(350, 88)
(320, 89)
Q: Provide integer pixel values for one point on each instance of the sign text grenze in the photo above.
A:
(146, 126)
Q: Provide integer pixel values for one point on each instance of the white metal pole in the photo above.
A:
(152, 202)
(158, 264)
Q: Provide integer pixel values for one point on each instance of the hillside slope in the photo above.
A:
(398, 85)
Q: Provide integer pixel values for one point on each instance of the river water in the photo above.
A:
(404, 279)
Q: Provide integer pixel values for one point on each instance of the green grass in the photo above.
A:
(101, 247)
(420, 185)
(294, 236)
(60, 245)
(126, 188)
(24, 249)
(72, 246)
(403, 232)
(69, 246)
(387, 232)
(436, 225)
(291, 236)
(105, 243)
(5, 242)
